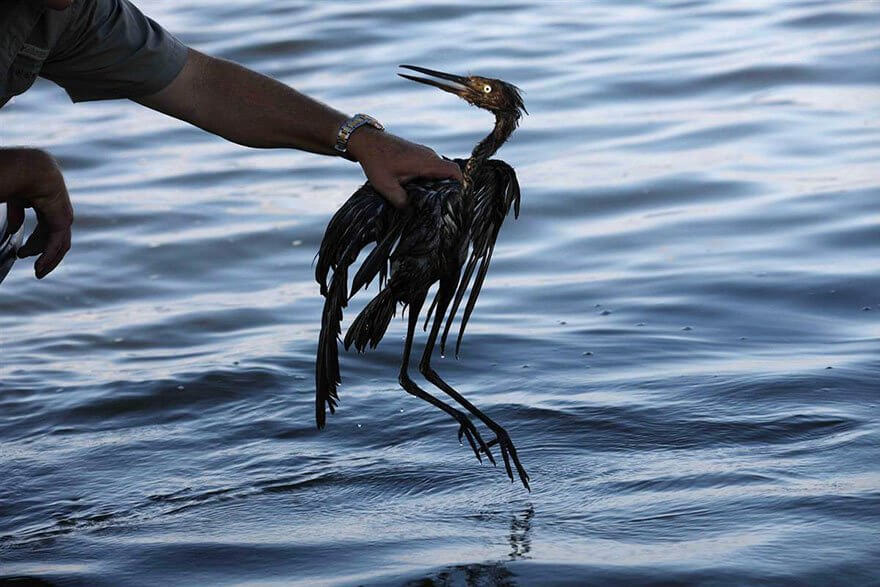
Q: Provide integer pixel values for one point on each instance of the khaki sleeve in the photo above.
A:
(111, 50)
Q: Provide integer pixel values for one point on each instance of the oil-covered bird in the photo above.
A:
(445, 236)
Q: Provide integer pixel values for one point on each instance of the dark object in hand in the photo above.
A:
(446, 235)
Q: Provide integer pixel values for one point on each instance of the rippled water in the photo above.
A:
(681, 331)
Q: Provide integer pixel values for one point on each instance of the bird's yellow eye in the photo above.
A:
(487, 88)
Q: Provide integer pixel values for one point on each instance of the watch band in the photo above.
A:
(351, 125)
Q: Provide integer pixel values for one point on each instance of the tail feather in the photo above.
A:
(370, 325)
(431, 312)
(459, 294)
(327, 377)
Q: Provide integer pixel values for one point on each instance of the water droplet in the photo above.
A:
(866, 309)
(525, 366)
(562, 322)
(829, 367)
(687, 328)
(640, 324)
(401, 410)
(296, 243)
(743, 338)
(605, 312)
(118, 339)
(359, 426)
(180, 388)
(442, 355)
(587, 353)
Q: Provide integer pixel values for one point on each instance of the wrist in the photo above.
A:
(362, 141)
(352, 127)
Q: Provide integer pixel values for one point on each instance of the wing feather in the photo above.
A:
(363, 219)
(496, 190)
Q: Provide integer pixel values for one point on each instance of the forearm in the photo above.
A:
(246, 107)
(251, 109)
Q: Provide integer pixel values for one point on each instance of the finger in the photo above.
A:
(442, 169)
(394, 193)
(15, 216)
(57, 245)
(35, 243)
(54, 217)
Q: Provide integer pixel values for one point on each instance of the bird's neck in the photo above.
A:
(504, 127)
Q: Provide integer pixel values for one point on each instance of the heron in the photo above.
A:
(445, 236)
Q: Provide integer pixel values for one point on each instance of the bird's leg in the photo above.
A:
(466, 427)
(501, 436)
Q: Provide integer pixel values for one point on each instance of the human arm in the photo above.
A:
(112, 50)
(254, 110)
(30, 178)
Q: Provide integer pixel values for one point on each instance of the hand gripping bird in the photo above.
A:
(445, 236)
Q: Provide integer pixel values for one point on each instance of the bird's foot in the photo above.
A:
(469, 431)
(508, 453)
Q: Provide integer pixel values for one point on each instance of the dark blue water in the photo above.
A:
(681, 332)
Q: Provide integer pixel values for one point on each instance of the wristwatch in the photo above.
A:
(351, 125)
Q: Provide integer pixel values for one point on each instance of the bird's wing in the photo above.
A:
(496, 190)
(366, 217)
(363, 219)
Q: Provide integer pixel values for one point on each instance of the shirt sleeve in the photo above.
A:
(111, 50)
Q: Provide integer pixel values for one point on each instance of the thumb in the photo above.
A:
(394, 193)
(35, 243)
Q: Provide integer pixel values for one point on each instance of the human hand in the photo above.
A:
(389, 162)
(32, 179)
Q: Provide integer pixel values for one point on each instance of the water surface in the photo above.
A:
(681, 331)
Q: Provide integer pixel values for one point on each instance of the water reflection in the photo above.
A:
(520, 534)
(493, 572)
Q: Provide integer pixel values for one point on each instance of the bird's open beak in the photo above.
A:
(458, 86)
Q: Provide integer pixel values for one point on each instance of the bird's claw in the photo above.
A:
(491, 443)
(469, 431)
(508, 452)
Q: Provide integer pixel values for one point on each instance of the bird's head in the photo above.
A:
(497, 96)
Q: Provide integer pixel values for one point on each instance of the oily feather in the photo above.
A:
(498, 191)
